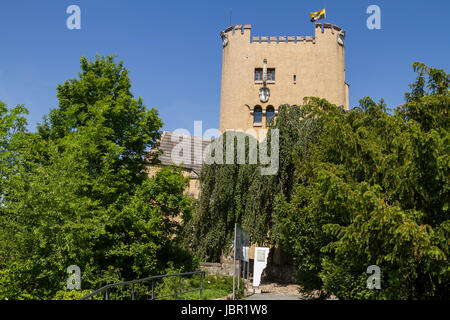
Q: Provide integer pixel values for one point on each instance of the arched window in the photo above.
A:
(257, 115)
(270, 113)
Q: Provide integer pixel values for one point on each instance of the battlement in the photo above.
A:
(282, 39)
(246, 30)
(238, 28)
(330, 26)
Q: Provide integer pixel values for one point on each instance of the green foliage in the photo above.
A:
(214, 287)
(212, 225)
(169, 288)
(12, 134)
(238, 193)
(100, 122)
(76, 192)
(375, 191)
(72, 295)
(354, 188)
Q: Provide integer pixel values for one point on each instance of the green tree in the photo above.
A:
(100, 120)
(354, 188)
(12, 133)
(238, 193)
(80, 193)
(375, 191)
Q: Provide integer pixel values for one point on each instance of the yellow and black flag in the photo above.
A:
(318, 15)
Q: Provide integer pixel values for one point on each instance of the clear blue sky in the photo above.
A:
(173, 50)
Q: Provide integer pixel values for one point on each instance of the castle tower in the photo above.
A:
(291, 68)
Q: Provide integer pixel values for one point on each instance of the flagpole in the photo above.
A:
(324, 20)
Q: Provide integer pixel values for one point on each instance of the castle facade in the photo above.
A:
(261, 73)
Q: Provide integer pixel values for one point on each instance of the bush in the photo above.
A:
(72, 295)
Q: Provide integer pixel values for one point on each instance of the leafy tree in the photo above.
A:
(108, 128)
(354, 188)
(12, 133)
(220, 205)
(238, 193)
(79, 193)
(375, 191)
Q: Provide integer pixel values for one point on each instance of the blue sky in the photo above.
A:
(174, 54)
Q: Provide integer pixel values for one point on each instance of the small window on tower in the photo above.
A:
(257, 116)
(270, 113)
(295, 78)
(258, 74)
(271, 74)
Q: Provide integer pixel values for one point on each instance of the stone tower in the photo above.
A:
(261, 73)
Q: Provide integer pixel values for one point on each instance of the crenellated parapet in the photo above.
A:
(238, 28)
(282, 39)
(330, 26)
(320, 29)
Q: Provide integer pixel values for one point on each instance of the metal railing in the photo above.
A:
(106, 289)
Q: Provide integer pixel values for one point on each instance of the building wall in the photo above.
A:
(318, 63)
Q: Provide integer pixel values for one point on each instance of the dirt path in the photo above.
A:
(280, 289)
(275, 291)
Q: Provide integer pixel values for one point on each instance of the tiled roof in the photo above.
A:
(185, 151)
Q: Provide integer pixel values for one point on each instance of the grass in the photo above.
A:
(214, 287)
(208, 294)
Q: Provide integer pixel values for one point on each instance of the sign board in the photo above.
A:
(246, 253)
(260, 263)
(242, 244)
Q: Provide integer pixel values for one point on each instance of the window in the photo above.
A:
(270, 113)
(258, 74)
(257, 115)
(270, 74)
(294, 78)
